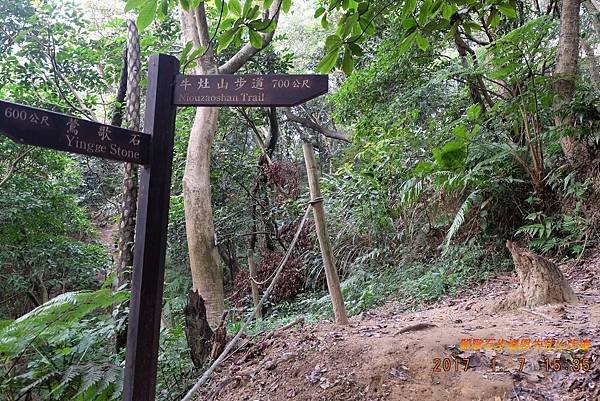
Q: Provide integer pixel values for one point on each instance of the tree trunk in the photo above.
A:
(253, 285)
(540, 281)
(197, 330)
(207, 275)
(565, 74)
(475, 84)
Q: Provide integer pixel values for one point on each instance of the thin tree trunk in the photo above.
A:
(207, 274)
(592, 64)
(565, 73)
(594, 13)
(253, 284)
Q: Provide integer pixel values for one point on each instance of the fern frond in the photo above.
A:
(38, 382)
(459, 218)
(411, 191)
(93, 375)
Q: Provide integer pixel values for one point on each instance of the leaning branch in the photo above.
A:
(13, 166)
(307, 122)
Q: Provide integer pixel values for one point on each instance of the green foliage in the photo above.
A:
(456, 271)
(565, 234)
(357, 21)
(58, 350)
(414, 282)
(236, 23)
(41, 247)
(438, 169)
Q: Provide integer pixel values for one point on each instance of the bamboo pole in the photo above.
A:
(333, 281)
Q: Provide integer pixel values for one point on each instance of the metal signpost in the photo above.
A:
(154, 151)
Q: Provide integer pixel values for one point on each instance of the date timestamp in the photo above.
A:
(448, 364)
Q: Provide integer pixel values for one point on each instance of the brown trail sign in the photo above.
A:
(154, 150)
(248, 90)
(47, 129)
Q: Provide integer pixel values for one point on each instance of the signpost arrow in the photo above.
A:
(248, 90)
(47, 129)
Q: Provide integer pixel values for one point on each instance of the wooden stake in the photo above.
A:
(333, 281)
(255, 291)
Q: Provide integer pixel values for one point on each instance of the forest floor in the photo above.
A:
(390, 354)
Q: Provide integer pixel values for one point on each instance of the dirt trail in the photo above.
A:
(373, 359)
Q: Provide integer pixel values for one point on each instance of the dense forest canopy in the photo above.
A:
(450, 127)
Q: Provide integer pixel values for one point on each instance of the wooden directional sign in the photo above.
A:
(248, 90)
(31, 126)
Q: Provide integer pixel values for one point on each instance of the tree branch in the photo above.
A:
(290, 117)
(13, 166)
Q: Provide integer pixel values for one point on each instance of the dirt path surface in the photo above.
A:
(387, 354)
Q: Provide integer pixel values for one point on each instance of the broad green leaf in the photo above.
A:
(264, 26)
(328, 62)
(164, 8)
(409, 7)
(425, 11)
(254, 12)
(422, 42)
(494, 19)
(185, 4)
(332, 41)
(363, 7)
(448, 10)
(507, 10)
(226, 38)
(366, 24)
(267, 4)
(197, 52)
(347, 62)
(286, 5)
(320, 11)
(409, 23)
(473, 112)
(184, 52)
(435, 8)
(255, 39)
(504, 71)
(349, 24)
(235, 7)
(247, 8)
(147, 14)
(356, 50)
(407, 43)
(133, 4)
